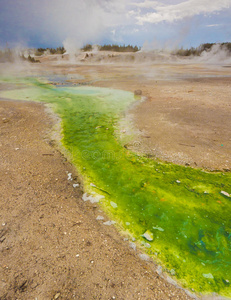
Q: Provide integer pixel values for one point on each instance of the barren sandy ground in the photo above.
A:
(186, 118)
(52, 246)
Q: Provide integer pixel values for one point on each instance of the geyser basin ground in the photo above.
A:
(180, 215)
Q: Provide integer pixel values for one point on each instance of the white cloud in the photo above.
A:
(179, 11)
(213, 25)
(147, 4)
(81, 21)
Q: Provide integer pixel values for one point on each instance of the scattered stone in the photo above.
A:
(137, 92)
(144, 257)
(57, 296)
(225, 194)
(209, 276)
(109, 223)
(177, 181)
(158, 228)
(113, 204)
(159, 270)
(133, 246)
(5, 120)
(92, 184)
(100, 218)
(76, 185)
(92, 199)
(172, 272)
(69, 176)
(148, 235)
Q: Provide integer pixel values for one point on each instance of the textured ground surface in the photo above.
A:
(51, 245)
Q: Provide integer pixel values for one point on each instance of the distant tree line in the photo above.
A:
(58, 50)
(89, 47)
(129, 48)
(203, 47)
(9, 55)
(115, 48)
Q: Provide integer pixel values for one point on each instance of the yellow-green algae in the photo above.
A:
(182, 210)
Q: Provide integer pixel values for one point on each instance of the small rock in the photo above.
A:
(90, 198)
(5, 120)
(108, 223)
(76, 185)
(57, 296)
(209, 276)
(158, 228)
(148, 235)
(159, 270)
(137, 92)
(69, 176)
(225, 193)
(144, 256)
(100, 218)
(113, 204)
(177, 181)
(173, 272)
(133, 246)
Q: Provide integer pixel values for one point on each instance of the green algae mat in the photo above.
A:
(179, 216)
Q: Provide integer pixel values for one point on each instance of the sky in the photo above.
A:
(145, 23)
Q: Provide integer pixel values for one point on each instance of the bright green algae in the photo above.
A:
(181, 208)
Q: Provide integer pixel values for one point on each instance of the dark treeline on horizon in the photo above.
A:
(203, 47)
(89, 47)
(129, 48)
(114, 47)
(9, 55)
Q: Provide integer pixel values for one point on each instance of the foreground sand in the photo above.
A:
(52, 246)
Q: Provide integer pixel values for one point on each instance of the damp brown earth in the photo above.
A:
(52, 246)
